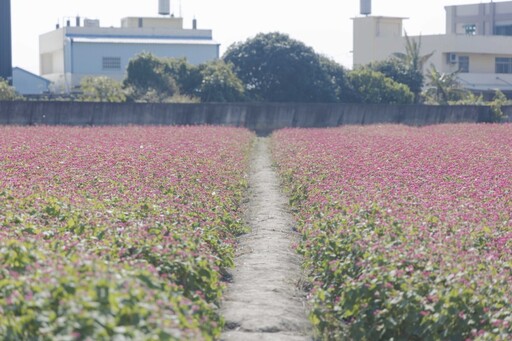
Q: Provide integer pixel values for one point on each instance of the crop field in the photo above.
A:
(406, 232)
(117, 233)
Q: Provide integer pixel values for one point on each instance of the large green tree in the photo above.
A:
(148, 80)
(276, 68)
(374, 87)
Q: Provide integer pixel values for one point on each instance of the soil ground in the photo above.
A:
(263, 301)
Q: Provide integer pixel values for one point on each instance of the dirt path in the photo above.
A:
(263, 302)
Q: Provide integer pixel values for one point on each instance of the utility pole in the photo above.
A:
(5, 41)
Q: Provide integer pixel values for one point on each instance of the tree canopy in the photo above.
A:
(277, 68)
(401, 73)
(153, 79)
(219, 83)
(374, 87)
(101, 89)
(148, 80)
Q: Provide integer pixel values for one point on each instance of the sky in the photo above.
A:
(325, 25)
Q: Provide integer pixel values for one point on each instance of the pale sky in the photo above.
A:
(324, 25)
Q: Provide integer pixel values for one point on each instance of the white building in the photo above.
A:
(477, 43)
(70, 53)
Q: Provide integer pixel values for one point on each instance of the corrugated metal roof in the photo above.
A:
(145, 41)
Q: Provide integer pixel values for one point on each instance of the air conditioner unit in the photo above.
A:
(452, 58)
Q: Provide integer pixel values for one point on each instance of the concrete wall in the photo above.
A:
(260, 117)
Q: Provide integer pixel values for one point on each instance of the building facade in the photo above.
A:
(28, 84)
(477, 43)
(70, 53)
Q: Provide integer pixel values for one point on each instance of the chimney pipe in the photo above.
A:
(5, 41)
(68, 23)
(194, 24)
(77, 21)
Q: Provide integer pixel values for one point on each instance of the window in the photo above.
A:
(503, 65)
(464, 64)
(111, 63)
(470, 29)
(503, 30)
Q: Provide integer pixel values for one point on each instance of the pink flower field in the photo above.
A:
(407, 232)
(118, 232)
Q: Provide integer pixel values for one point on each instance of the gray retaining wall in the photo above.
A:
(260, 117)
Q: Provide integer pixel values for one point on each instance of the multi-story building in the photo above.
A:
(67, 54)
(477, 43)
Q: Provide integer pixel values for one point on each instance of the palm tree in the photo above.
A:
(412, 57)
(414, 61)
(443, 87)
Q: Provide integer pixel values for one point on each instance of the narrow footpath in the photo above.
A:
(263, 301)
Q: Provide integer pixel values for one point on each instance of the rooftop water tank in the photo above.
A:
(366, 7)
(164, 7)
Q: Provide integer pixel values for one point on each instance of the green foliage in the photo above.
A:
(373, 87)
(147, 80)
(45, 297)
(169, 80)
(187, 76)
(337, 77)
(276, 68)
(179, 98)
(129, 240)
(219, 83)
(412, 57)
(364, 295)
(101, 89)
(7, 92)
(443, 88)
(398, 71)
(383, 300)
(496, 104)
(408, 67)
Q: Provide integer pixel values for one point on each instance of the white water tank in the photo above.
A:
(366, 7)
(164, 7)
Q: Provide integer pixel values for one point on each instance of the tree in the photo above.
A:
(101, 89)
(187, 76)
(414, 64)
(443, 88)
(499, 100)
(412, 57)
(7, 92)
(373, 87)
(276, 68)
(337, 76)
(401, 73)
(219, 83)
(148, 80)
